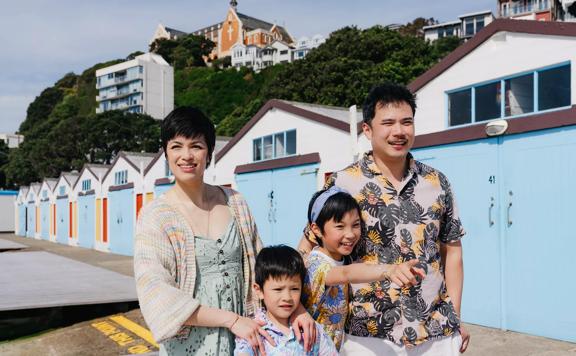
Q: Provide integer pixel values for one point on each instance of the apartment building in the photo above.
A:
(143, 85)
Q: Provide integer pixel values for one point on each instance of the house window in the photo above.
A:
(274, 146)
(284, 52)
(469, 27)
(111, 76)
(479, 23)
(86, 184)
(121, 177)
(526, 93)
(44, 194)
(62, 190)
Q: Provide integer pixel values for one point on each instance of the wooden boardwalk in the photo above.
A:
(39, 279)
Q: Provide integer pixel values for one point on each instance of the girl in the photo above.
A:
(334, 218)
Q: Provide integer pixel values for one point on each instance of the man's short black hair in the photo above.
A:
(191, 123)
(335, 208)
(277, 262)
(387, 93)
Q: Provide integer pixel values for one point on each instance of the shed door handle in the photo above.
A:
(490, 221)
(508, 210)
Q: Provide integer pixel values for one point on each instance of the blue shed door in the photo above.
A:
(22, 219)
(31, 220)
(62, 221)
(279, 200)
(471, 168)
(538, 203)
(45, 220)
(121, 221)
(293, 189)
(257, 189)
(86, 217)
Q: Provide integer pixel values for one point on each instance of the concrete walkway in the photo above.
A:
(484, 341)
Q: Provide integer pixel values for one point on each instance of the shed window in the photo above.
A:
(554, 88)
(62, 190)
(460, 111)
(526, 93)
(519, 95)
(86, 184)
(121, 177)
(488, 102)
(274, 146)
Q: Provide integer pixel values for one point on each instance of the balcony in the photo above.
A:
(119, 80)
(521, 9)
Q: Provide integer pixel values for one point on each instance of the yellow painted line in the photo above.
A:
(144, 333)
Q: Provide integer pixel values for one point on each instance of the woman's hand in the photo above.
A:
(304, 327)
(250, 330)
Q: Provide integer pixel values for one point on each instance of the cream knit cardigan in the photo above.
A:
(165, 264)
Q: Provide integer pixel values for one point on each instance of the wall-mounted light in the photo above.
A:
(496, 127)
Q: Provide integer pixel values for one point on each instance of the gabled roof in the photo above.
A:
(97, 170)
(498, 25)
(70, 177)
(135, 159)
(174, 32)
(51, 183)
(251, 23)
(24, 190)
(35, 187)
(331, 116)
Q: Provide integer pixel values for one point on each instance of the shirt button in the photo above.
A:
(221, 252)
(223, 262)
(225, 274)
(219, 240)
(229, 299)
(228, 286)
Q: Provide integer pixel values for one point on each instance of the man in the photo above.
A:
(409, 213)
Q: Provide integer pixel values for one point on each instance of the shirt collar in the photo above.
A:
(367, 162)
(262, 315)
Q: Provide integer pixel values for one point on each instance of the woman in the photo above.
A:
(194, 252)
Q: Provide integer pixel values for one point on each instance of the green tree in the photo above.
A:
(110, 132)
(184, 52)
(414, 28)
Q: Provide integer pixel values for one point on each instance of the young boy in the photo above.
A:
(280, 273)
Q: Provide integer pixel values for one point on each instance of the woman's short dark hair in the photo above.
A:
(335, 208)
(277, 262)
(191, 123)
(387, 93)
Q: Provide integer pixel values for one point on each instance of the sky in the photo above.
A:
(41, 40)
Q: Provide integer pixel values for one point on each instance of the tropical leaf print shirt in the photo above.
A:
(328, 305)
(400, 226)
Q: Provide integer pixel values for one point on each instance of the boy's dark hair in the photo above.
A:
(278, 261)
(335, 207)
(387, 93)
(191, 123)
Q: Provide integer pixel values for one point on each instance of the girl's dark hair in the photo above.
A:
(191, 123)
(335, 208)
(278, 261)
